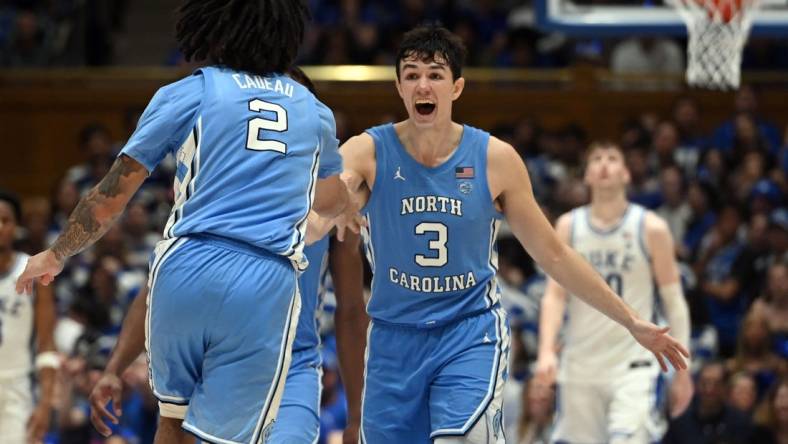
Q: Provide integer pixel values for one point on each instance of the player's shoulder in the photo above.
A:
(189, 85)
(360, 144)
(325, 113)
(500, 149)
(501, 156)
(654, 223)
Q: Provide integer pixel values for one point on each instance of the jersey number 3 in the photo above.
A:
(436, 245)
(279, 125)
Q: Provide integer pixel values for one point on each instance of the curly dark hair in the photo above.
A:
(429, 41)
(257, 36)
(13, 201)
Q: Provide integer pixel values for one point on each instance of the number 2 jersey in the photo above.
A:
(430, 238)
(248, 148)
(596, 347)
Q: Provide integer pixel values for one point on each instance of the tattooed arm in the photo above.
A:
(92, 217)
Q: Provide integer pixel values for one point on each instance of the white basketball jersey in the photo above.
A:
(596, 347)
(16, 323)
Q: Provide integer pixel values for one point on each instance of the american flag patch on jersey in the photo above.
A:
(463, 172)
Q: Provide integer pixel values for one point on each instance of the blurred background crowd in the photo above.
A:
(499, 33)
(723, 193)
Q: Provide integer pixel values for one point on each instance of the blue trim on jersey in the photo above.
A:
(300, 227)
(493, 252)
(607, 231)
(449, 163)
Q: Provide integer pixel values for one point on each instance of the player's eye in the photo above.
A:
(412, 76)
(436, 76)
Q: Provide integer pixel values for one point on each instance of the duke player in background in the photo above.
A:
(23, 318)
(434, 193)
(607, 382)
(250, 144)
(298, 421)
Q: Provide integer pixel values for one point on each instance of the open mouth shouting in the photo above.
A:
(425, 107)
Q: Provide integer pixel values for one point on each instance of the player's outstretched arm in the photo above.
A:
(551, 317)
(47, 362)
(511, 186)
(347, 272)
(91, 218)
(660, 246)
(131, 342)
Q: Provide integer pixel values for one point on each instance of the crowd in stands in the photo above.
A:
(723, 194)
(499, 33)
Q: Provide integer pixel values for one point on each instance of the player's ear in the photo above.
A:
(459, 85)
(399, 88)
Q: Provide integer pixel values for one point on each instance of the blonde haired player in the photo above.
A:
(607, 382)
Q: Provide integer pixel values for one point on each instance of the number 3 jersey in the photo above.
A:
(16, 323)
(248, 151)
(430, 238)
(595, 347)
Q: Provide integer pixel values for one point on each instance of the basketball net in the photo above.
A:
(717, 31)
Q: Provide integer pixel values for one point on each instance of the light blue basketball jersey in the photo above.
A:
(310, 284)
(249, 149)
(431, 233)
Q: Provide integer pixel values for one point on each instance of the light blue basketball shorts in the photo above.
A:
(221, 319)
(421, 384)
(299, 414)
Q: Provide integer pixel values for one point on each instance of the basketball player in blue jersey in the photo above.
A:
(435, 192)
(299, 412)
(250, 143)
(608, 383)
(298, 421)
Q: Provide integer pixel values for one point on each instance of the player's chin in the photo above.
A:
(423, 120)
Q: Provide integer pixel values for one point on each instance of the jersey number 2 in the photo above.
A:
(279, 125)
(437, 245)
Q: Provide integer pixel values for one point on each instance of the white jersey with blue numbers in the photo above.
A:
(596, 347)
(248, 151)
(430, 234)
(311, 285)
(16, 323)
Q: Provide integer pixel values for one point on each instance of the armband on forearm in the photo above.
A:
(48, 359)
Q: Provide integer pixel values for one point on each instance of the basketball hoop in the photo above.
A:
(717, 31)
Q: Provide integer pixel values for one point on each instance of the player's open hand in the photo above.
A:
(350, 219)
(108, 388)
(546, 368)
(657, 340)
(44, 266)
